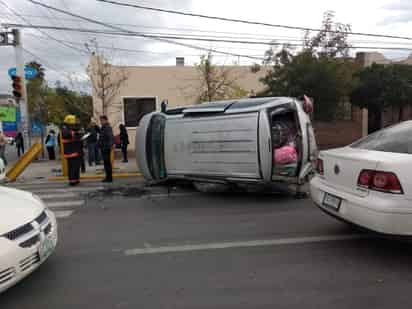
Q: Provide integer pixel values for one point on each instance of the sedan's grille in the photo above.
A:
(6, 275)
(47, 229)
(41, 218)
(20, 231)
(30, 242)
(29, 261)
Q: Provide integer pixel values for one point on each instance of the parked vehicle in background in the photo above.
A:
(28, 235)
(263, 141)
(369, 183)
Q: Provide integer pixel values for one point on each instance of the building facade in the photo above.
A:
(146, 87)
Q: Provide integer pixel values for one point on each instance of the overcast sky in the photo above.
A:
(373, 16)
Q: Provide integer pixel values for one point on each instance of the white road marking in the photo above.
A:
(163, 195)
(68, 189)
(65, 204)
(241, 244)
(60, 195)
(61, 214)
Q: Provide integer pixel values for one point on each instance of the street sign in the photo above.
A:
(29, 72)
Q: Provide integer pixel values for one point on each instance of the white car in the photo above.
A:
(369, 183)
(2, 170)
(28, 235)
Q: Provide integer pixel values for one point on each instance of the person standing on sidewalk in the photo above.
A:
(124, 141)
(91, 144)
(19, 144)
(50, 144)
(106, 142)
(3, 143)
(72, 144)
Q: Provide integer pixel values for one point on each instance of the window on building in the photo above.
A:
(135, 108)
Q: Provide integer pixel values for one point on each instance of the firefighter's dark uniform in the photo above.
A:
(72, 147)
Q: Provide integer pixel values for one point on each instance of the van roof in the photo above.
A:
(223, 106)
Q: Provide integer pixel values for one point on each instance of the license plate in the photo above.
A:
(332, 201)
(46, 248)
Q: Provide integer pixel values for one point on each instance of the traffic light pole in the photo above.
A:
(23, 100)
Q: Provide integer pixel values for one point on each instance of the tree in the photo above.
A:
(36, 89)
(316, 70)
(105, 79)
(331, 40)
(380, 86)
(216, 82)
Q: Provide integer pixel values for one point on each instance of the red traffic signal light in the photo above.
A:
(17, 86)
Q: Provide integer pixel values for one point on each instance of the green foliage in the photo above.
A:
(315, 71)
(331, 40)
(50, 105)
(379, 86)
(327, 80)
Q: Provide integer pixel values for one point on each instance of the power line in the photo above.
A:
(43, 32)
(44, 62)
(168, 37)
(249, 22)
(204, 32)
(169, 41)
(132, 50)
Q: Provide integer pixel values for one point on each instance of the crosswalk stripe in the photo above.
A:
(65, 204)
(60, 195)
(43, 190)
(62, 214)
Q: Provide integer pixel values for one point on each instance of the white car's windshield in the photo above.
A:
(397, 139)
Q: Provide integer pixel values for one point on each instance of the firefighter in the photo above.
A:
(72, 145)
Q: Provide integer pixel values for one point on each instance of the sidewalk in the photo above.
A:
(44, 170)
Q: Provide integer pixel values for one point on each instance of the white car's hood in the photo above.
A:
(17, 208)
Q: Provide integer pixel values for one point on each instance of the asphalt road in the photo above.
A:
(214, 251)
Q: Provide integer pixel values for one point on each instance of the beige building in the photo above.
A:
(147, 86)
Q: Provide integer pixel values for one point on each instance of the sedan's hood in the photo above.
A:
(17, 208)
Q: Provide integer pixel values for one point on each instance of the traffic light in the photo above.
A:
(17, 86)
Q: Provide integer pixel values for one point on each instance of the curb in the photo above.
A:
(96, 177)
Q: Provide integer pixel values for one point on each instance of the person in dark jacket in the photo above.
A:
(19, 144)
(106, 142)
(91, 144)
(124, 141)
(97, 148)
(72, 143)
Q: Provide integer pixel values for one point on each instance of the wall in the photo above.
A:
(337, 134)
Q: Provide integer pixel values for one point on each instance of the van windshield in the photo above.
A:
(396, 139)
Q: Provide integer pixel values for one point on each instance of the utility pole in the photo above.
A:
(23, 100)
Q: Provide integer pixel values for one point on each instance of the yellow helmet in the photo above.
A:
(70, 119)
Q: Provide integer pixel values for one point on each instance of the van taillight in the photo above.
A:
(319, 167)
(380, 181)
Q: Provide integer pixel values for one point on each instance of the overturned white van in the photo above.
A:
(261, 141)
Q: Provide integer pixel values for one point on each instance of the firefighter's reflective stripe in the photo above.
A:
(71, 155)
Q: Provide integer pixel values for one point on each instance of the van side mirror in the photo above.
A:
(307, 105)
(163, 106)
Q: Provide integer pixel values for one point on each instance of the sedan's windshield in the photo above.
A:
(397, 139)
